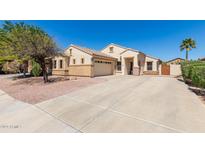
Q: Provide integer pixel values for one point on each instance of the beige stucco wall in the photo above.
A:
(126, 65)
(78, 55)
(121, 54)
(80, 70)
(175, 69)
(65, 62)
(136, 57)
(160, 69)
(155, 65)
(141, 58)
(77, 69)
(116, 51)
(58, 70)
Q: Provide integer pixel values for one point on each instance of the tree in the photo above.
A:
(187, 45)
(27, 41)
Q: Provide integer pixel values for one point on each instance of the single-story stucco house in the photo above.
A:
(113, 59)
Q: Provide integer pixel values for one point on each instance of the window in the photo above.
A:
(149, 66)
(54, 64)
(119, 65)
(73, 61)
(70, 52)
(61, 63)
(82, 60)
(111, 49)
(103, 62)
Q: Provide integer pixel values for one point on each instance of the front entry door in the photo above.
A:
(131, 68)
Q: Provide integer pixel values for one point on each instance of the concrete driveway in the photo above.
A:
(17, 116)
(121, 104)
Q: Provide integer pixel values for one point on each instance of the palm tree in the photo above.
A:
(187, 45)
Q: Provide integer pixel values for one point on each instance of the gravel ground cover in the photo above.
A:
(33, 90)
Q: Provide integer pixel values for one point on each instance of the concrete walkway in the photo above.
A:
(121, 104)
(16, 116)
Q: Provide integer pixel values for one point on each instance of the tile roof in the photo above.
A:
(91, 51)
(96, 53)
(126, 48)
(175, 59)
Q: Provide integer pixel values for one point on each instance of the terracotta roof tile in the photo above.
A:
(92, 52)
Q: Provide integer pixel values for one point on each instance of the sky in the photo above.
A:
(157, 38)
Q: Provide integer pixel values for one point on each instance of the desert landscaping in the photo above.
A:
(33, 90)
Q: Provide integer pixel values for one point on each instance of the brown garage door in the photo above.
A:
(165, 69)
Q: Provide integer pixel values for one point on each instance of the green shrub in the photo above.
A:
(36, 69)
(194, 71)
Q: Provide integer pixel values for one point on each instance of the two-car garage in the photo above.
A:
(103, 67)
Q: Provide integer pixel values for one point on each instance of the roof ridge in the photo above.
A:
(118, 45)
(93, 50)
(151, 56)
(175, 59)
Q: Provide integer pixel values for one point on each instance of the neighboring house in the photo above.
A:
(202, 59)
(175, 61)
(14, 66)
(113, 59)
(172, 67)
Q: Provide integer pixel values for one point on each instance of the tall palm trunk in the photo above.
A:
(187, 55)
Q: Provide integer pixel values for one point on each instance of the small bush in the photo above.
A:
(36, 69)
